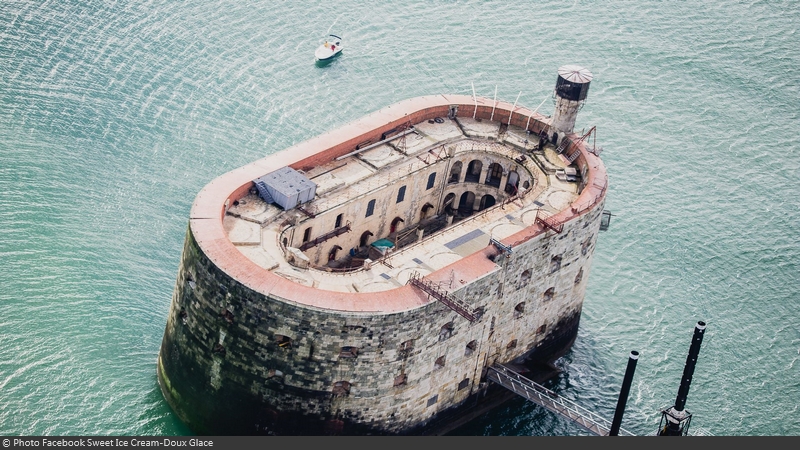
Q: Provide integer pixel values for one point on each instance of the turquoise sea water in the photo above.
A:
(114, 114)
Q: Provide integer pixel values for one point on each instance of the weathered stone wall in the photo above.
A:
(234, 361)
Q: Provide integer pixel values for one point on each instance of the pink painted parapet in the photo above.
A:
(208, 209)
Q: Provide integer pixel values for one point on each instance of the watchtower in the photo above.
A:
(571, 89)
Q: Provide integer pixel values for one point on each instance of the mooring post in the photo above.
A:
(676, 420)
(623, 393)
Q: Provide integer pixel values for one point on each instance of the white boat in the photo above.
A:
(329, 49)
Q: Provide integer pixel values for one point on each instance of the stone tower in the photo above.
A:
(571, 89)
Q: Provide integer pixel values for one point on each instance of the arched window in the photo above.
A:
(446, 331)
(471, 346)
(466, 204)
(455, 172)
(519, 309)
(512, 184)
(495, 174)
(474, 171)
(487, 201)
(332, 253)
(401, 194)
(447, 206)
(525, 278)
(579, 276)
(548, 294)
(395, 224)
(555, 264)
(370, 208)
(364, 237)
(431, 180)
(426, 211)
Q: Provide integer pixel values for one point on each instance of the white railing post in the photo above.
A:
(513, 108)
(475, 100)
(495, 103)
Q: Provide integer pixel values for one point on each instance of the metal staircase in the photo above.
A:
(264, 192)
(443, 296)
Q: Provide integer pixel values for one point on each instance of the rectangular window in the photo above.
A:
(432, 401)
(401, 194)
(338, 221)
(431, 180)
(307, 234)
(370, 208)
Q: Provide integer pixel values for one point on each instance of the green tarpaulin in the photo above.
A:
(383, 243)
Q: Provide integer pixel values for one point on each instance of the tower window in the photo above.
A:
(446, 331)
(283, 341)
(401, 194)
(432, 401)
(470, 348)
(519, 309)
(431, 180)
(555, 264)
(341, 388)
(348, 352)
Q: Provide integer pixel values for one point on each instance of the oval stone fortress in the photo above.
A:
(363, 281)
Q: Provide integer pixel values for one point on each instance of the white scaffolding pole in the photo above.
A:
(513, 108)
(495, 102)
(474, 99)
(534, 112)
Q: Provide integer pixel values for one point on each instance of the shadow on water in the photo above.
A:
(327, 62)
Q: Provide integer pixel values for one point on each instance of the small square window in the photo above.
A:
(432, 401)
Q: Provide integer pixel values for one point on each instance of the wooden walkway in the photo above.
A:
(542, 396)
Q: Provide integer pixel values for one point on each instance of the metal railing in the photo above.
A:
(542, 396)
(443, 296)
